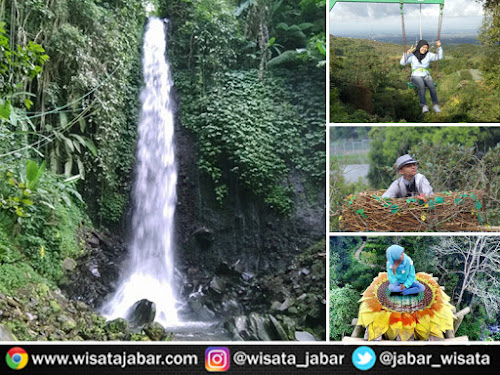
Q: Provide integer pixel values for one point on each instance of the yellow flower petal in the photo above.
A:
(406, 333)
(393, 331)
(422, 331)
(381, 323)
(366, 318)
(436, 330)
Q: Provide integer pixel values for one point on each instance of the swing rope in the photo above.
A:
(420, 21)
(404, 32)
(404, 42)
(440, 24)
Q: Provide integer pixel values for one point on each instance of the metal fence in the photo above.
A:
(346, 147)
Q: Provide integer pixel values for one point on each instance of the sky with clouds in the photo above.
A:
(459, 15)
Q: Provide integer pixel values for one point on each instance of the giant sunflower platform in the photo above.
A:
(424, 316)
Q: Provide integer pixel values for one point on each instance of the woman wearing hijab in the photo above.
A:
(420, 60)
(401, 273)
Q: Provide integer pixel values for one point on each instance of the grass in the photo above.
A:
(361, 158)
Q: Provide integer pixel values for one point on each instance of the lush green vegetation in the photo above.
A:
(68, 103)
(369, 84)
(250, 78)
(350, 277)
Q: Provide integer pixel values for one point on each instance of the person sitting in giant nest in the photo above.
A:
(411, 183)
(420, 59)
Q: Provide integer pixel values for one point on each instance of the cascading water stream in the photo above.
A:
(150, 273)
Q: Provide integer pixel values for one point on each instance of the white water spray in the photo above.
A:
(151, 264)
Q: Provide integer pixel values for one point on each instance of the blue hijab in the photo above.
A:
(405, 272)
(393, 253)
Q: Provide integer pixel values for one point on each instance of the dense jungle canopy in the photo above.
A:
(368, 84)
(249, 78)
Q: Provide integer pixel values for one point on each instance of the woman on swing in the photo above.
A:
(420, 59)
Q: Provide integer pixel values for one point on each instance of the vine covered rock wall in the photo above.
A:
(250, 129)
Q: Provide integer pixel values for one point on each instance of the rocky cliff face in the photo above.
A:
(244, 228)
(261, 275)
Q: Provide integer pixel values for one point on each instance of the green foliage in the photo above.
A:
(251, 128)
(347, 269)
(16, 196)
(343, 308)
(340, 189)
(17, 67)
(369, 85)
(15, 276)
(256, 130)
(458, 168)
(490, 36)
(419, 249)
(5, 246)
(474, 325)
(33, 173)
(206, 39)
(84, 102)
(112, 207)
(387, 143)
(38, 225)
(359, 275)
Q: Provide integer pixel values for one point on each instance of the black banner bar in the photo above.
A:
(181, 358)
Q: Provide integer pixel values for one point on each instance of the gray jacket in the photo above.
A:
(398, 187)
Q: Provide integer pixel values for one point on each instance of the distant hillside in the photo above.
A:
(368, 84)
(446, 39)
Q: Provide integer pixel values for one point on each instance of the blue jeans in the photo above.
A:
(421, 83)
(415, 288)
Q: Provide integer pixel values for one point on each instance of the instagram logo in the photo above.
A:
(217, 359)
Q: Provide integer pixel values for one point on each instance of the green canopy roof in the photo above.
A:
(333, 2)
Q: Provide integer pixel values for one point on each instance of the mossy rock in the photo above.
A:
(155, 331)
(139, 337)
(98, 319)
(125, 336)
(42, 290)
(119, 325)
(6, 334)
(67, 323)
(54, 306)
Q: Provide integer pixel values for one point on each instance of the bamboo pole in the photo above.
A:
(460, 317)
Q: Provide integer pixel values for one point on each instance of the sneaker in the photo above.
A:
(436, 108)
(425, 109)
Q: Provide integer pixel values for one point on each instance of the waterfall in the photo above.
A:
(150, 272)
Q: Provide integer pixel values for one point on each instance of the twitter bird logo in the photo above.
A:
(363, 358)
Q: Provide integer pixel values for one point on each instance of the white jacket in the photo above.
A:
(421, 69)
(398, 187)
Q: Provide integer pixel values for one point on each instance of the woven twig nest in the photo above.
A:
(426, 314)
(446, 212)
